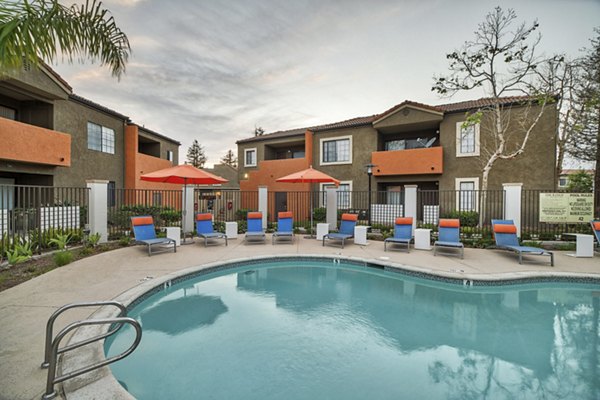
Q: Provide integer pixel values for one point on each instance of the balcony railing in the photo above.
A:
(408, 162)
(32, 144)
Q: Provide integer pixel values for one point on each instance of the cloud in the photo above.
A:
(212, 70)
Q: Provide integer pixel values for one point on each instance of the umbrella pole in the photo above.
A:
(184, 213)
(310, 193)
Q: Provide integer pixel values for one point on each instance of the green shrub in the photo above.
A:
(93, 240)
(61, 241)
(467, 218)
(547, 236)
(241, 214)
(320, 214)
(532, 244)
(63, 258)
(124, 241)
(86, 251)
(20, 252)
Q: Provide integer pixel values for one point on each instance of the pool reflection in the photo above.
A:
(513, 342)
(183, 314)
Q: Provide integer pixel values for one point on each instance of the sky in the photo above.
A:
(215, 70)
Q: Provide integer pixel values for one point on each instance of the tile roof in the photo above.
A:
(97, 106)
(362, 121)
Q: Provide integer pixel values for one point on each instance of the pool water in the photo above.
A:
(317, 330)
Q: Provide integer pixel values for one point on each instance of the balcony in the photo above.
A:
(408, 162)
(32, 144)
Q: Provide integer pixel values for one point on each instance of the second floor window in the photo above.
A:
(467, 140)
(101, 138)
(336, 151)
(169, 155)
(250, 158)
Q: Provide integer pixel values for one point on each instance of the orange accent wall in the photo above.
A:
(408, 162)
(268, 171)
(137, 164)
(32, 144)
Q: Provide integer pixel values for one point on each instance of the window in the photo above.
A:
(169, 155)
(467, 190)
(344, 194)
(405, 144)
(562, 182)
(250, 158)
(336, 150)
(467, 140)
(101, 138)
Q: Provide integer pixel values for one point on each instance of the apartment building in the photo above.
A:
(411, 143)
(52, 137)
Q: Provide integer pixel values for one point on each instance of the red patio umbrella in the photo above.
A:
(309, 175)
(183, 175)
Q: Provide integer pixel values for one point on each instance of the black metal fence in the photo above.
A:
(474, 208)
(34, 215)
(37, 214)
(163, 205)
(533, 228)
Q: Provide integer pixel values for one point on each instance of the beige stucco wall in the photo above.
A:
(534, 168)
(71, 117)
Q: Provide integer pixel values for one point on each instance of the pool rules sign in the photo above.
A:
(566, 207)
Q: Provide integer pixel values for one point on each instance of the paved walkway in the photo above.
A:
(25, 309)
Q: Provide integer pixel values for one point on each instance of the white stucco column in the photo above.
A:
(263, 204)
(410, 203)
(98, 208)
(331, 210)
(187, 205)
(512, 203)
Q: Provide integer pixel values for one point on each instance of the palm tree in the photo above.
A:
(36, 30)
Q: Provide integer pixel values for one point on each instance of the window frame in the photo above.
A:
(476, 151)
(334, 139)
(246, 151)
(457, 183)
(170, 155)
(105, 143)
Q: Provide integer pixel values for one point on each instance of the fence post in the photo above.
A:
(410, 203)
(263, 203)
(331, 193)
(512, 203)
(187, 200)
(98, 208)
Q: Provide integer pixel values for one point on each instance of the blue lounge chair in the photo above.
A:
(346, 229)
(596, 229)
(285, 226)
(204, 229)
(505, 234)
(255, 232)
(402, 233)
(144, 233)
(449, 236)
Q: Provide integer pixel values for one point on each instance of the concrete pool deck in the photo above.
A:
(25, 309)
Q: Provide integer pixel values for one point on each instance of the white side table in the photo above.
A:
(231, 230)
(423, 239)
(322, 230)
(360, 235)
(174, 232)
(584, 246)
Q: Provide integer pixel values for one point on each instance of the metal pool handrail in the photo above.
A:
(55, 314)
(53, 379)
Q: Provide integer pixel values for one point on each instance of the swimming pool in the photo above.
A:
(310, 329)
